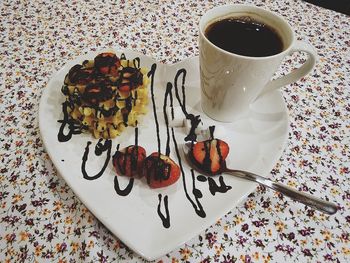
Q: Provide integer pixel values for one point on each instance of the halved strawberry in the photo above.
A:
(210, 155)
(129, 161)
(160, 170)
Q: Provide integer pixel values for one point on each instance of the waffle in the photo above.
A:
(106, 94)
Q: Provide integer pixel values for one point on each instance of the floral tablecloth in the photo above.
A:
(41, 220)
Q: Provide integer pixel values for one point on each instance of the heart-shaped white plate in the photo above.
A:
(152, 222)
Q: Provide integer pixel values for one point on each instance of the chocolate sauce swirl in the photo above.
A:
(198, 208)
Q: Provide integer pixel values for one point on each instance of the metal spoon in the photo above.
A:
(307, 199)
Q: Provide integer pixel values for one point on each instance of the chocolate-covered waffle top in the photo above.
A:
(106, 94)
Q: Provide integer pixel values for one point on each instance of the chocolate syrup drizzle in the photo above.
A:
(75, 128)
(135, 79)
(150, 75)
(213, 186)
(133, 155)
(196, 192)
(126, 190)
(165, 219)
(157, 168)
(195, 120)
(168, 94)
(99, 149)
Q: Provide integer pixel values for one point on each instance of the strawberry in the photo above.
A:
(124, 87)
(160, 170)
(210, 155)
(107, 64)
(129, 161)
(95, 93)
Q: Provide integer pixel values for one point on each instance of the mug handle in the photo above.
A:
(295, 74)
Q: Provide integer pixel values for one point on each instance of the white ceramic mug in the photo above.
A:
(231, 82)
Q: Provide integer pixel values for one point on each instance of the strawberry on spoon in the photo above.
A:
(208, 157)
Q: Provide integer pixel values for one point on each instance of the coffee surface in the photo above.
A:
(244, 36)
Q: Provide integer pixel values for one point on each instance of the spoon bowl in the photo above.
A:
(307, 199)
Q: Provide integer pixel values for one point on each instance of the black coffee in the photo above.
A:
(244, 36)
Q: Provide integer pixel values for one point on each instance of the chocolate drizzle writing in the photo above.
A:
(158, 169)
(165, 219)
(150, 75)
(168, 94)
(195, 120)
(126, 190)
(74, 127)
(99, 149)
(196, 192)
(163, 171)
(213, 186)
(198, 208)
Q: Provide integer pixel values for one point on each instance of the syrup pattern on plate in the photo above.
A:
(192, 193)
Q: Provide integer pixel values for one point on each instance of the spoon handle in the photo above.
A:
(307, 199)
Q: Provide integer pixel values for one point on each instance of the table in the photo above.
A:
(41, 220)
